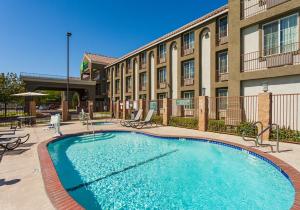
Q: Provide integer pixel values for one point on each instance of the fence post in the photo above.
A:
(167, 110)
(142, 105)
(91, 109)
(65, 111)
(203, 113)
(265, 112)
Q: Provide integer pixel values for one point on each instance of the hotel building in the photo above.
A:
(235, 50)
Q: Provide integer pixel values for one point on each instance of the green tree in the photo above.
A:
(10, 84)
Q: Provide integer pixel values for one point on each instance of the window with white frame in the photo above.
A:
(143, 58)
(162, 75)
(222, 94)
(117, 85)
(189, 95)
(143, 80)
(188, 40)
(223, 27)
(223, 62)
(128, 83)
(162, 51)
(281, 36)
(188, 69)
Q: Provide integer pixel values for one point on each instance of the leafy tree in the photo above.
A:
(10, 84)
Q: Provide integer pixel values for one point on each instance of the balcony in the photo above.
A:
(279, 56)
(187, 51)
(129, 90)
(221, 77)
(163, 85)
(254, 7)
(188, 81)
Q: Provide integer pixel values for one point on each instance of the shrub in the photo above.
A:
(157, 119)
(286, 134)
(184, 122)
(216, 125)
(248, 129)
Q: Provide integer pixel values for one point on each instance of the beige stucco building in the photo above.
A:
(234, 50)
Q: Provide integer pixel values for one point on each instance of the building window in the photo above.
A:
(188, 41)
(162, 75)
(188, 69)
(223, 27)
(161, 96)
(189, 95)
(281, 36)
(117, 86)
(129, 63)
(222, 94)
(143, 81)
(162, 53)
(143, 59)
(143, 96)
(117, 73)
(128, 83)
(223, 62)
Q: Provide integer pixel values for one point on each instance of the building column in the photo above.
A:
(142, 105)
(91, 109)
(117, 114)
(32, 110)
(65, 111)
(167, 110)
(203, 113)
(265, 113)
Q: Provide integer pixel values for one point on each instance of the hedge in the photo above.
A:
(157, 119)
(184, 122)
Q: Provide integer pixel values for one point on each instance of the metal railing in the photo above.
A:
(271, 58)
(254, 7)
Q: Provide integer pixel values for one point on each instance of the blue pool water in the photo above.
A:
(125, 170)
(103, 123)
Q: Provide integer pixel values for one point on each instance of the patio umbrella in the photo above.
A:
(30, 95)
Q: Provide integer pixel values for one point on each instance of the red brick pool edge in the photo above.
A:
(61, 199)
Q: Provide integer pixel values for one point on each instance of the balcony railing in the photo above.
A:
(187, 50)
(222, 38)
(188, 81)
(162, 85)
(143, 65)
(221, 77)
(162, 59)
(142, 87)
(254, 7)
(275, 57)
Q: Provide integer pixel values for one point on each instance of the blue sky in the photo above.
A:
(32, 35)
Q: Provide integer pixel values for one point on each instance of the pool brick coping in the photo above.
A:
(61, 199)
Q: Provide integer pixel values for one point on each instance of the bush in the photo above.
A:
(157, 119)
(248, 129)
(286, 134)
(183, 122)
(216, 125)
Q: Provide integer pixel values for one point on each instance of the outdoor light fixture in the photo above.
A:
(265, 86)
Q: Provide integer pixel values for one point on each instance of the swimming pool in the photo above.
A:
(103, 123)
(126, 170)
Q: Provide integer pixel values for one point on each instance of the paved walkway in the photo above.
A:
(21, 184)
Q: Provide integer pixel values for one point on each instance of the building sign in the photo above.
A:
(153, 105)
(183, 102)
(84, 65)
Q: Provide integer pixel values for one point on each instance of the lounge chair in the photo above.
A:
(136, 119)
(10, 131)
(10, 142)
(147, 121)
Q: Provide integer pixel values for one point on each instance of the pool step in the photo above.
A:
(97, 137)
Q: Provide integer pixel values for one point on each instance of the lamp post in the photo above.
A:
(69, 34)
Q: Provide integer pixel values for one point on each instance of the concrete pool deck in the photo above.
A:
(21, 182)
